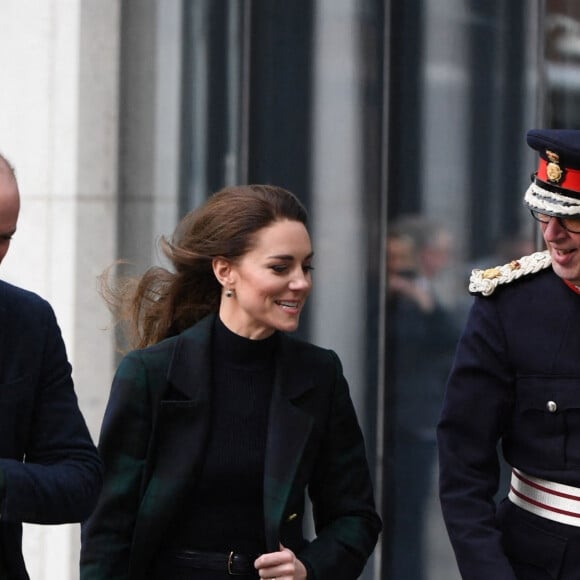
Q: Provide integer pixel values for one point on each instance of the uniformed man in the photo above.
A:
(516, 379)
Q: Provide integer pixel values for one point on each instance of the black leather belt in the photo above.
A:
(231, 563)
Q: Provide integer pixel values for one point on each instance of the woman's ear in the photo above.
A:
(222, 270)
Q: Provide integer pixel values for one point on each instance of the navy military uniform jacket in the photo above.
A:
(152, 442)
(520, 351)
(50, 472)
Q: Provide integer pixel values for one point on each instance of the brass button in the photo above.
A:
(551, 406)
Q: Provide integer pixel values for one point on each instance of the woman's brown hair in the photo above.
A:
(164, 302)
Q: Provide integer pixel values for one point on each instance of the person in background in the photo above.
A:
(421, 337)
(516, 380)
(50, 472)
(220, 420)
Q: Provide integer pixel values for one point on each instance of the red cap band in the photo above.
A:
(570, 178)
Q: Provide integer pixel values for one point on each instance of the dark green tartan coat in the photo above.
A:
(152, 440)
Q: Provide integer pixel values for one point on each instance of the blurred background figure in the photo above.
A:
(421, 338)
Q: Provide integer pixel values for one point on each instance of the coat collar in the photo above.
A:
(189, 371)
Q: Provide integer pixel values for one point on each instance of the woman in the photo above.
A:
(219, 421)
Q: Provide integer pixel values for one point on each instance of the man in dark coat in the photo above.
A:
(50, 472)
(516, 380)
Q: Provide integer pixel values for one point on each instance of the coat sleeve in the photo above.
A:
(347, 524)
(478, 402)
(125, 434)
(54, 474)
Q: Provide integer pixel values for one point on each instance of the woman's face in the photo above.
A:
(270, 283)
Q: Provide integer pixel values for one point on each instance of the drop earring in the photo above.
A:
(229, 293)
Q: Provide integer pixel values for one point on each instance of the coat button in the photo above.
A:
(551, 406)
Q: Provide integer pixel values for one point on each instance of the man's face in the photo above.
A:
(564, 247)
(9, 209)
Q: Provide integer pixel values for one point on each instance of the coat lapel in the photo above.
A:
(180, 434)
(288, 431)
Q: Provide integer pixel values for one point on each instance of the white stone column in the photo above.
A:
(338, 298)
(58, 126)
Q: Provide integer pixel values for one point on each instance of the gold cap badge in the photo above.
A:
(553, 170)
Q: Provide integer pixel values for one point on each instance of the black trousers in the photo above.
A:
(537, 548)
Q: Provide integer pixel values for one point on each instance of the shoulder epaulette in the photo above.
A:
(486, 281)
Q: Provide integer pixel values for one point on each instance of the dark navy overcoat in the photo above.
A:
(50, 472)
(520, 351)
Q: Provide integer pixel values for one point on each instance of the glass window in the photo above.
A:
(463, 83)
(562, 64)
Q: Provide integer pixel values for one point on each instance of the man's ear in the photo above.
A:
(222, 270)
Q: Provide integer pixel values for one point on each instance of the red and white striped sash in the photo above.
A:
(547, 499)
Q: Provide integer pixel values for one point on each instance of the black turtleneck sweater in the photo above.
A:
(225, 511)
